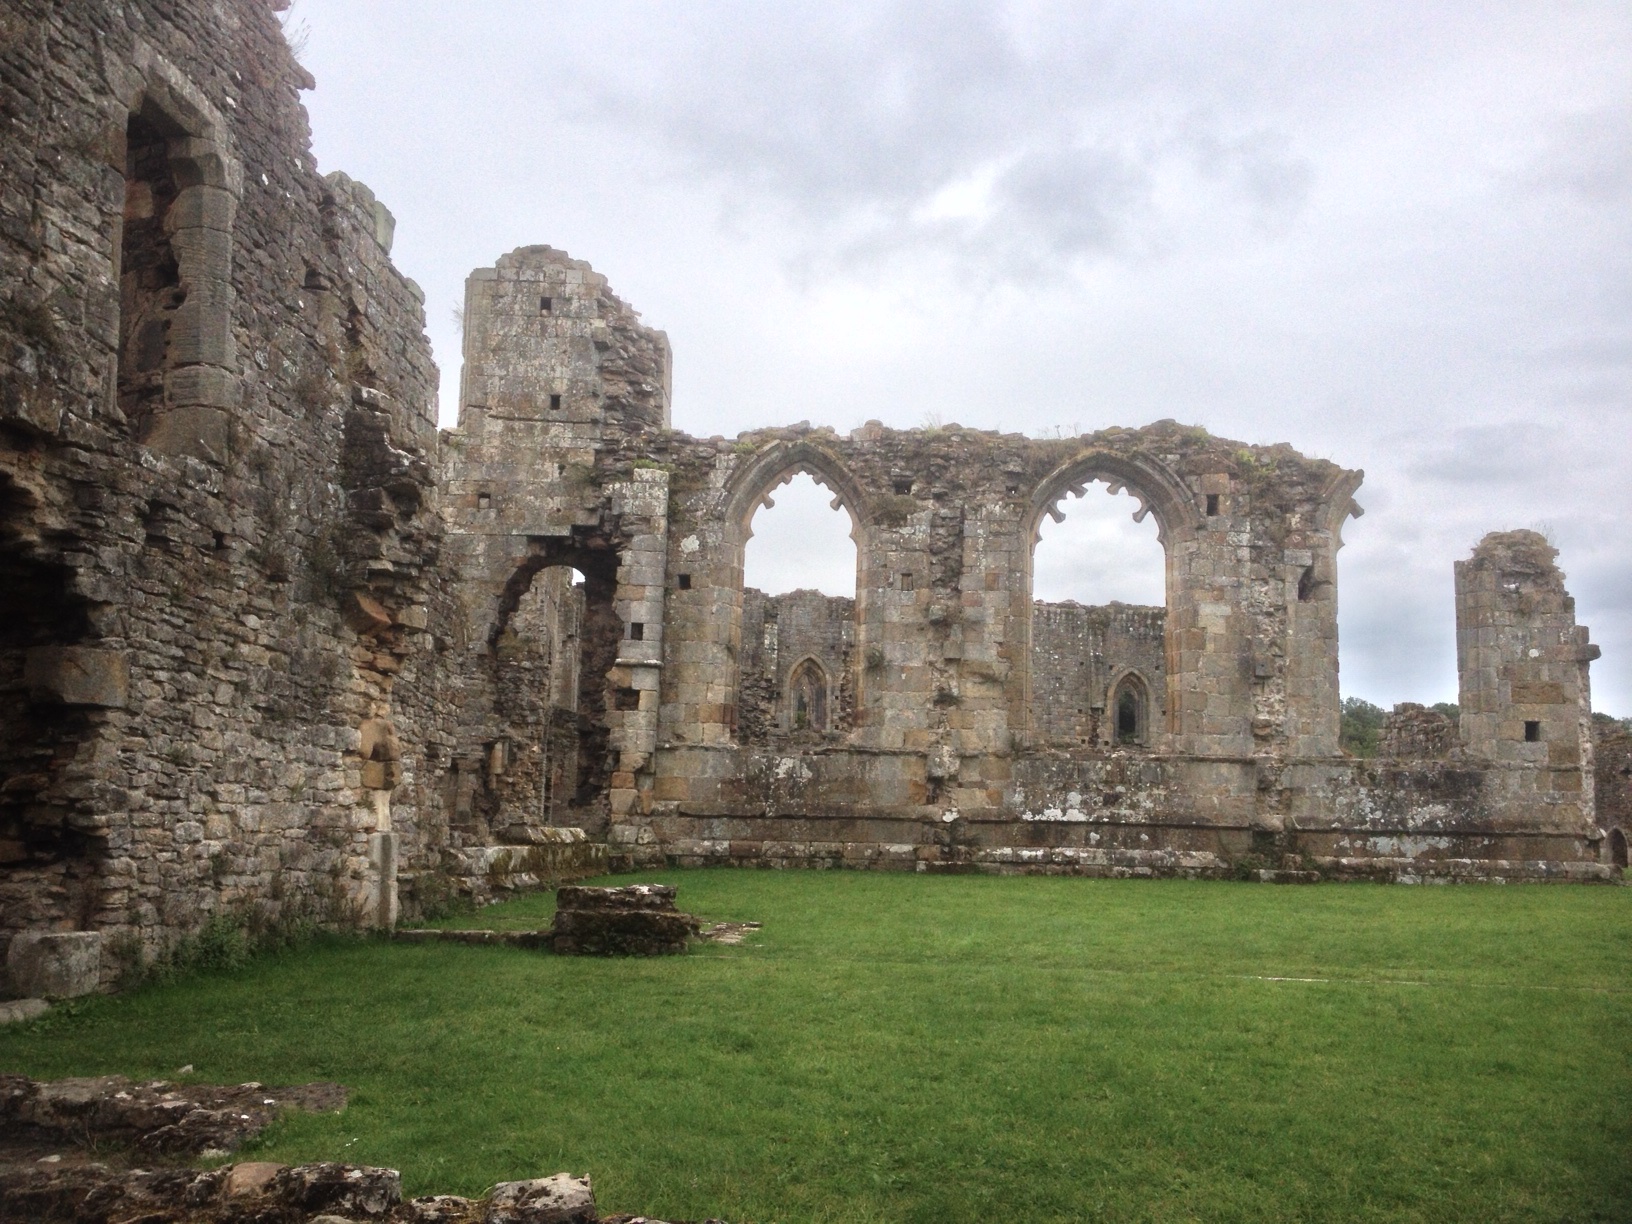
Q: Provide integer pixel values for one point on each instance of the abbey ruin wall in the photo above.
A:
(217, 437)
(942, 719)
(271, 647)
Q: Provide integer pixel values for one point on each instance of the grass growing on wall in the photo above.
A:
(909, 1048)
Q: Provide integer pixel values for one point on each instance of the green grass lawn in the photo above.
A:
(910, 1048)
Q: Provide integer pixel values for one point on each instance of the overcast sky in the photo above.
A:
(1395, 235)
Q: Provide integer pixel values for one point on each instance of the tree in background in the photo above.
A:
(1362, 723)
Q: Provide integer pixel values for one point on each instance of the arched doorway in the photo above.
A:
(1617, 848)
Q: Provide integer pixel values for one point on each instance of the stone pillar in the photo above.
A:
(642, 502)
(1522, 661)
(382, 863)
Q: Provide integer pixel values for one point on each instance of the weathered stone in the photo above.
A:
(562, 1199)
(17, 1011)
(331, 1187)
(55, 964)
(635, 920)
(78, 675)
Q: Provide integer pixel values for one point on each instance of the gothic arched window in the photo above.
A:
(807, 696)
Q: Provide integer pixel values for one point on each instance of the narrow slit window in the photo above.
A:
(1212, 505)
(555, 403)
(637, 631)
(546, 305)
(1306, 584)
(907, 582)
(683, 582)
(150, 289)
(1532, 731)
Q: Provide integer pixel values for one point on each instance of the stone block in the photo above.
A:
(78, 675)
(202, 208)
(55, 964)
(209, 386)
(562, 1199)
(197, 431)
(18, 1011)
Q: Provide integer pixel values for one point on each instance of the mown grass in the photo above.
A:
(906, 1048)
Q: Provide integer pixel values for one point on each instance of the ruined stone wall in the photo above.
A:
(548, 470)
(1411, 731)
(782, 634)
(1612, 757)
(958, 742)
(216, 495)
(1079, 656)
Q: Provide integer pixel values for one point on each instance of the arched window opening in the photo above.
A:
(1131, 705)
(551, 651)
(539, 660)
(807, 697)
(1099, 611)
(1617, 848)
(150, 289)
(800, 541)
(798, 615)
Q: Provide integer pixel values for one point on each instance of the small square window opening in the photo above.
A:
(1212, 505)
(484, 501)
(684, 582)
(555, 403)
(637, 631)
(1532, 731)
(546, 305)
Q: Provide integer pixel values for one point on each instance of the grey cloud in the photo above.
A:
(855, 125)
(1482, 455)
(1392, 233)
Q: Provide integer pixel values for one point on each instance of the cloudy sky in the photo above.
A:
(1396, 235)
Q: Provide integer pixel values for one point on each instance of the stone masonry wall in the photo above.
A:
(958, 742)
(547, 471)
(779, 634)
(1078, 656)
(216, 489)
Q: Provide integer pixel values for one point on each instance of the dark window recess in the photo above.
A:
(484, 501)
(149, 277)
(1127, 717)
(906, 582)
(220, 541)
(637, 631)
(546, 305)
(903, 485)
(1306, 584)
(1212, 505)
(626, 699)
(683, 582)
(1532, 731)
(555, 403)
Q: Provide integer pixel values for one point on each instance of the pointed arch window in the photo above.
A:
(1130, 711)
(807, 697)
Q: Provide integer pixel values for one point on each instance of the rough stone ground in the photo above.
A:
(78, 1150)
